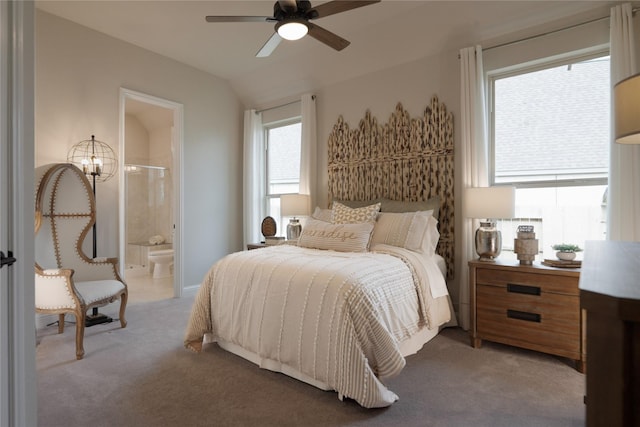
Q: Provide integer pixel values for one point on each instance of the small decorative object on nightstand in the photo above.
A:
(526, 245)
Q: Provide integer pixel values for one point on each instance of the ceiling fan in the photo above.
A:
(292, 22)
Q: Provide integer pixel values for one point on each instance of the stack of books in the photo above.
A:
(273, 240)
(562, 263)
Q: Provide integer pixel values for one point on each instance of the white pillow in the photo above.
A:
(322, 214)
(343, 214)
(338, 237)
(416, 231)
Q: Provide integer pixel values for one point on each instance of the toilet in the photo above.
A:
(161, 261)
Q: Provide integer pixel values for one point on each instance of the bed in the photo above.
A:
(362, 288)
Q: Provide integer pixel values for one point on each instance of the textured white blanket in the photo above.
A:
(338, 318)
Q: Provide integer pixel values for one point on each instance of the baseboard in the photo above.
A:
(188, 291)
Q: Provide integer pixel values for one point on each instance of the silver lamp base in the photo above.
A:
(294, 228)
(488, 241)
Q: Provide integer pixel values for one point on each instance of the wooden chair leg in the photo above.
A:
(80, 321)
(60, 323)
(123, 306)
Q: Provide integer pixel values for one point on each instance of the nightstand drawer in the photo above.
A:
(539, 322)
(529, 282)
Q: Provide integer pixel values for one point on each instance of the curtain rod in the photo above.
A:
(283, 105)
(535, 36)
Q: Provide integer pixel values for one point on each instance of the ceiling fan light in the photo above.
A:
(292, 30)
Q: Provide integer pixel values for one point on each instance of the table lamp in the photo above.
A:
(489, 204)
(293, 205)
(626, 104)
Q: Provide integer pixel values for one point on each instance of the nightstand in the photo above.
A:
(251, 246)
(534, 307)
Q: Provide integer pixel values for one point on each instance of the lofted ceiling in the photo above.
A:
(382, 35)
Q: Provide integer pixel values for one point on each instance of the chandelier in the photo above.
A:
(95, 158)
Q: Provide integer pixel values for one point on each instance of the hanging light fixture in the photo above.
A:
(292, 29)
(95, 158)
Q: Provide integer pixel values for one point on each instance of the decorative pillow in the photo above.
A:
(358, 203)
(337, 237)
(345, 215)
(322, 214)
(416, 231)
(432, 204)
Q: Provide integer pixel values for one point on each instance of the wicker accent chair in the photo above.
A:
(66, 280)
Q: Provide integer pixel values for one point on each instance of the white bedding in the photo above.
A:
(340, 321)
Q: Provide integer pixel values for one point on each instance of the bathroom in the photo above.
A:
(149, 201)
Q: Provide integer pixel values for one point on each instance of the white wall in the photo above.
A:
(78, 76)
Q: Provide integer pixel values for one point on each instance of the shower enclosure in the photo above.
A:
(149, 222)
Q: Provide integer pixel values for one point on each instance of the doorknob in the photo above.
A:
(8, 260)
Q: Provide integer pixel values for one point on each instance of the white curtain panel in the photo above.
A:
(623, 201)
(474, 158)
(253, 185)
(309, 154)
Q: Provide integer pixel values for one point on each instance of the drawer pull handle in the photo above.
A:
(523, 289)
(523, 315)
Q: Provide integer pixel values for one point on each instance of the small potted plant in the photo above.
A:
(566, 251)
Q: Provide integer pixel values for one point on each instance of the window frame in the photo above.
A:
(525, 68)
(268, 196)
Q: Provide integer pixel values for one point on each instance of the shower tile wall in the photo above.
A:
(149, 190)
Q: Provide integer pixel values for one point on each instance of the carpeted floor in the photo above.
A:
(142, 376)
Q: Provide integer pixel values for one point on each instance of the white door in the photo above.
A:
(17, 321)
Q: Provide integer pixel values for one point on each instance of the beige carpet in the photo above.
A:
(142, 376)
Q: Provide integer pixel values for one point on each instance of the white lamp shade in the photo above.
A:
(294, 205)
(490, 202)
(292, 29)
(626, 106)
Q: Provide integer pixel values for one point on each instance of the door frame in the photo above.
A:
(18, 382)
(176, 173)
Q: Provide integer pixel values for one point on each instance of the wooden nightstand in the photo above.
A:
(534, 307)
(251, 246)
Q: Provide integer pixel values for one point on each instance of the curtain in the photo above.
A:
(474, 158)
(623, 198)
(253, 185)
(308, 157)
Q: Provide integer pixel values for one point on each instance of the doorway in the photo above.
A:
(150, 197)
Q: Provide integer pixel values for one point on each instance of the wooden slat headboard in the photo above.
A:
(404, 159)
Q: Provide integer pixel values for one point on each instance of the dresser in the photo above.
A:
(610, 294)
(534, 307)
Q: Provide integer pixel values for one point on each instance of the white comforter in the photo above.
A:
(337, 318)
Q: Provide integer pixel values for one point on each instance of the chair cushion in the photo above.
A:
(98, 290)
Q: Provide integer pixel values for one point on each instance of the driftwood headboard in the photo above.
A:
(404, 159)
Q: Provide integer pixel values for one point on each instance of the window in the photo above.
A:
(550, 136)
(283, 146)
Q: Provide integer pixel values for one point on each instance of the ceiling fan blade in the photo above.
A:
(333, 7)
(327, 37)
(239, 19)
(269, 46)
